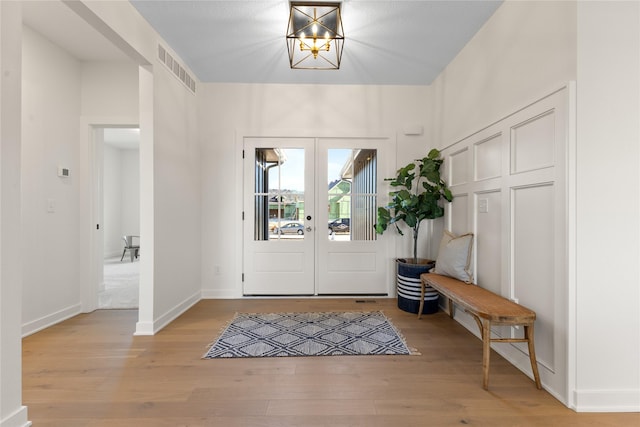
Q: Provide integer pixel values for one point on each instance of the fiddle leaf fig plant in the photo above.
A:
(412, 201)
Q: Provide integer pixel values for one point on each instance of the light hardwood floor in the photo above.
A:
(91, 371)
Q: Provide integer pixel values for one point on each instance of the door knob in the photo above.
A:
(308, 228)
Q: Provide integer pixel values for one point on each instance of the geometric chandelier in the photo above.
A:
(314, 36)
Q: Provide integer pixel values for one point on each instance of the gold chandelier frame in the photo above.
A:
(315, 37)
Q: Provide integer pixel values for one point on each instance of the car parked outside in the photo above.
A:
(339, 225)
(277, 222)
(290, 228)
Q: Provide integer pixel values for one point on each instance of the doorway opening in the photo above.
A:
(120, 195)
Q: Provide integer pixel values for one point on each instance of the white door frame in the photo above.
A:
(90, 176)
(241, 134)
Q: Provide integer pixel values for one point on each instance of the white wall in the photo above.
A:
(12, 413)
(59, 94)
(608, 255)
(517, 167)
(121, 188)
(176, 180)
(50, 131)
(112, 208)
(170, 278)
(526, 50)
(130, 210)
(109, 97)
(227, 110)
(109, 91)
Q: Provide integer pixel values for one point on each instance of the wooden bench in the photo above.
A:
(487, 309)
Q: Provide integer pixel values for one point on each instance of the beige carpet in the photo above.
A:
(121, 283)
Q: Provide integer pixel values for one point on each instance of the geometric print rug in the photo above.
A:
(308, 334)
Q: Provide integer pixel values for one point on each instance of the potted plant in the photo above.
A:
(419, 191)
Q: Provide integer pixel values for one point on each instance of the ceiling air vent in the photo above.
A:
(174, 66)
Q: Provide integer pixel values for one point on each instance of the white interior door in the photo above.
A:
(279, 255)
(309, 213)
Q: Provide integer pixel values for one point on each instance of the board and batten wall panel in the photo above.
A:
(488, 244)
(509, 187)
(532, 261)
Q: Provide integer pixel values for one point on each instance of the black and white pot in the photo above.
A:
(408, 283)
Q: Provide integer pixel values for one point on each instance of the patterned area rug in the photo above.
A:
(308, 334)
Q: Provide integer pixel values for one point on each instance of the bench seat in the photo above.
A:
(487, 308)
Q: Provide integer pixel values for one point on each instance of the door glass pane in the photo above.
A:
(351, 200)
(279, 194)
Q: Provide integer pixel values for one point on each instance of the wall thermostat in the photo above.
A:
(63, 172)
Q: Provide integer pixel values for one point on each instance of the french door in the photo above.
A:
(309, 215)
(279, 217)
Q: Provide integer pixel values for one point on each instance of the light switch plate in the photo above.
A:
(483, 205)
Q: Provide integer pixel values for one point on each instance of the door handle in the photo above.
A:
(308, 228)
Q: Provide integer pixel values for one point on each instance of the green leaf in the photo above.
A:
(434, 153)
(433, 176)
(384, 214)
(411, 219)
(448, 195)
(403, 195)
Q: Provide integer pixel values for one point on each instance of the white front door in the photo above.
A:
(278, 216)
(309, 213)
(351, 258)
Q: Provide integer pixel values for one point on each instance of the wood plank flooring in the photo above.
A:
(91, 371)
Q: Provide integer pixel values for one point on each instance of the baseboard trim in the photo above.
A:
(220, 294)
(143, 328)
(152, 328)
(16, 419)
(44, 322)
(607, 400)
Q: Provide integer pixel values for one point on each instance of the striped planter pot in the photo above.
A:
(408, 282)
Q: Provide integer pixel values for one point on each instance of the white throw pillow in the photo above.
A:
(454, 256)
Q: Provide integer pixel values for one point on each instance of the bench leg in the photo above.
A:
(528, 334)
(486, 353)
(450, 306)
(422, 291)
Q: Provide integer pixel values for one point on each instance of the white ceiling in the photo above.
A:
(386, 42)
(243, 41)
